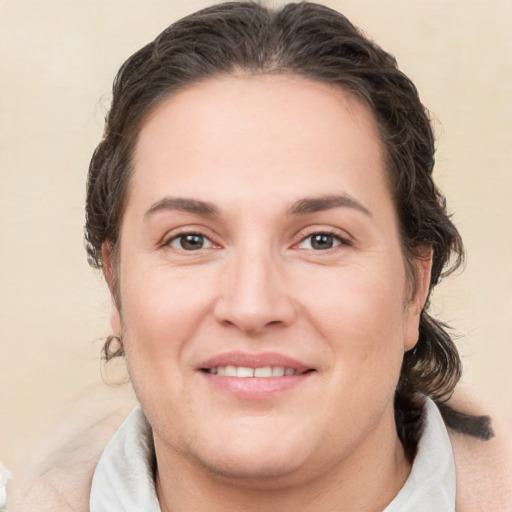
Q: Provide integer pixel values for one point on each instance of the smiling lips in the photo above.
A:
(244, 371)
(254, 376)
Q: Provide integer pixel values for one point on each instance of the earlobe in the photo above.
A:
(422, 269)
(115, 318)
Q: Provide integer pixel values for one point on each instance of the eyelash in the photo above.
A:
(179, 238)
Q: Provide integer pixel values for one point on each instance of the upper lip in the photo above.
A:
(255, 360)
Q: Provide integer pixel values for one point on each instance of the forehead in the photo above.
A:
(262, 130)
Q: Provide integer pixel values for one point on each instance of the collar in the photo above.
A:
(124, 477)
(431, 484)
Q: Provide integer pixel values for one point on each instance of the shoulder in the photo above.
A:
(59, 476)
(484, 468)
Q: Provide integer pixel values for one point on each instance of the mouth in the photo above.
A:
(254, 376)
(255, 365)
(261, 372)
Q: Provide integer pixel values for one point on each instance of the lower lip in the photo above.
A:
(255, 388)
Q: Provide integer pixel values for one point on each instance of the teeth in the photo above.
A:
(278, 371)
(266, 371)
(241, 371)
(230, 371)
(244, 372)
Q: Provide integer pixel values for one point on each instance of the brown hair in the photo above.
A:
(319, 43)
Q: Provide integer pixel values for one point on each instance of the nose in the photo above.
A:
(253, 295)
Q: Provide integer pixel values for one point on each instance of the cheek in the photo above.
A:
(361, 315)
(161, 312)
(160, 318)
(360, 299)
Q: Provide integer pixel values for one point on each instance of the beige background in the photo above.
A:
(57, 61)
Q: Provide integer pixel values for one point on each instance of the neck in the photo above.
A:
(366, 481)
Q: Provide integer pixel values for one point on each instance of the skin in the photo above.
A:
(258, 285)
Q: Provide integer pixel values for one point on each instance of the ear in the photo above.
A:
(109, 274)
(422, 267)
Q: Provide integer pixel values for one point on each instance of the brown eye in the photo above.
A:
(190, 242)
(320, 242)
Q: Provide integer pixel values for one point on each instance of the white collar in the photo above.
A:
(431, 484)
(124, 477)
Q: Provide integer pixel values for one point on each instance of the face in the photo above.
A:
(264, 301)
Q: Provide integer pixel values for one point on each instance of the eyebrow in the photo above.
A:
(317, 204)
(183, 205)
(300, 207)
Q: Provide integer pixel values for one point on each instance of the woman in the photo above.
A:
(263, 210)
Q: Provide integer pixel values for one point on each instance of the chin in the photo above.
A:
(256, 469)
(255, 453)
